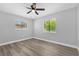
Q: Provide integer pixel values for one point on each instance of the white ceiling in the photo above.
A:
(20, 8)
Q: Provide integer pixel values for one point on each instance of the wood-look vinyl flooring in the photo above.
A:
(35, 47)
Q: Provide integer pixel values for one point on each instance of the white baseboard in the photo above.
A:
(72, 46)
(14, 41)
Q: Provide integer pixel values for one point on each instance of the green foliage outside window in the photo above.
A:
(50, 25)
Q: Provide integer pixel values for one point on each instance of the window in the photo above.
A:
(50, 25)
(21, 24)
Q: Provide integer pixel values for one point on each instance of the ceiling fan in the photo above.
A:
(33, 7)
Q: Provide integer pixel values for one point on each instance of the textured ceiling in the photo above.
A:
(20, 8)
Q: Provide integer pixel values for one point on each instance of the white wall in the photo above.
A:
(66, 27)
(7, 28)
(78, 26)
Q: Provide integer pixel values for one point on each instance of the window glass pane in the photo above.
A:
(53, 25)
(47, 25)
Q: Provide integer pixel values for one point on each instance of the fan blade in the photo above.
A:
(36, 12)
(42, 9)
(28, 8)
(29, 12)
